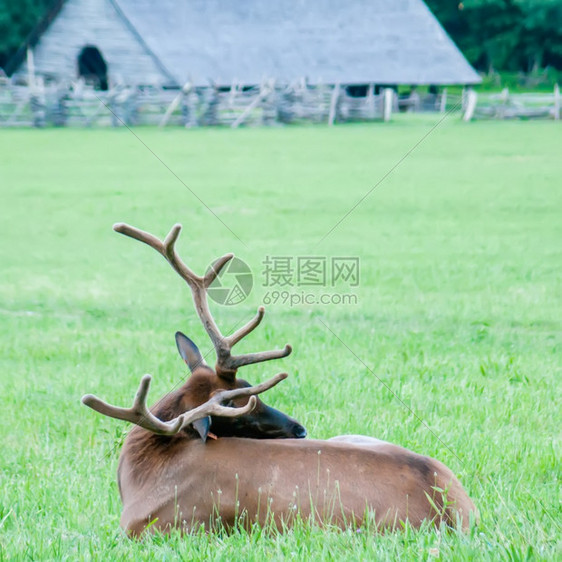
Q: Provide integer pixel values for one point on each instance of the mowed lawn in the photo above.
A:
(454, 349)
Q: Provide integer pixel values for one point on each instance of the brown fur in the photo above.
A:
(182, 482)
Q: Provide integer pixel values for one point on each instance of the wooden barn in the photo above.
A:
(221, 42)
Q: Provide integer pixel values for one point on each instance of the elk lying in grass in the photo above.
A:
(212, 451)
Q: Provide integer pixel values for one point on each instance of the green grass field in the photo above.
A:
(459, 314)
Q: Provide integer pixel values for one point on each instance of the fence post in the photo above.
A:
(174, 105)
(504, 100)
(37, 106)
(371, 111)
(59, 110)
(334, 104)
(30, 70)
(443, 104)
(387, 104)
(211, 111)
(189, 109)
(269, 110)
(36, 99)
(471, 100)
(556, 102)
(130, 107)
(114, 108)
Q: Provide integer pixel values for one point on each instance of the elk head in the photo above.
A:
(212, 401)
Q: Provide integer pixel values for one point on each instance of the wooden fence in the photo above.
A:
(512, 106)
(78, 105)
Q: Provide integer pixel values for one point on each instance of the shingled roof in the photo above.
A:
(330, 41)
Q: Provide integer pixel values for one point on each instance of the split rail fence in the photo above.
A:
(269, 104)
(79, 105)
(512, 106)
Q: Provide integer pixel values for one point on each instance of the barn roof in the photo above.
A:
(346, 41)
(330, 41)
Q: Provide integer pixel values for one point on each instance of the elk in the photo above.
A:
(212, 451)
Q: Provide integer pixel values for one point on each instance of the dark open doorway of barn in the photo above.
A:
(92, 67)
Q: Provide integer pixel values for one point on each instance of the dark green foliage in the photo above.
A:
(541, 40)
(504, 34)
(17, 20)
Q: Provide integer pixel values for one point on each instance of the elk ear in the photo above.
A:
(189, 352)
(202, 427)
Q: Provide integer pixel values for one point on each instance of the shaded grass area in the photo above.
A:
(458, 317)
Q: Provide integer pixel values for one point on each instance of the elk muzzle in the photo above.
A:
(264, 422)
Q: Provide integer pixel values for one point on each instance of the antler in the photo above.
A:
(227, 364)
(139, 413)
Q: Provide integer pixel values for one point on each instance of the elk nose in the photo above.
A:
(299, 431)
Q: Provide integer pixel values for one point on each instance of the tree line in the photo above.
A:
(515, 35)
